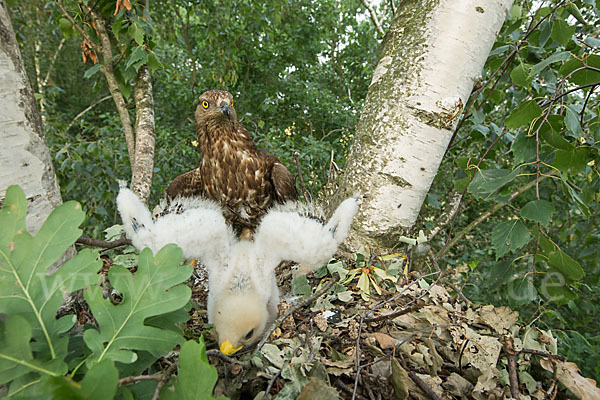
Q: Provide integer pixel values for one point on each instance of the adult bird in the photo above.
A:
(244, 179)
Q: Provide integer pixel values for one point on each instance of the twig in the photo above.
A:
(293, 309)
(368, 387)
(134, 379)
(414, 307)
(394, 297)
(542, 354)
(487, 214)
(311, 350)
(512, 366)
(348, 389)
(373, 17)
(330, 172)
(304, 191)
(452, 206)
(165, 376)
(585, 104)
(271, 382)
(423, 386)
(231, 360)
(103, 243)
(76, 25)
(81, 114)
(558, 96)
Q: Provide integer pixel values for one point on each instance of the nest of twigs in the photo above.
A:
(416, 341)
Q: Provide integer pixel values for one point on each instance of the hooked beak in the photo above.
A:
(225, 109)
(227, 348)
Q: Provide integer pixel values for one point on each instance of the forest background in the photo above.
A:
(299, 72)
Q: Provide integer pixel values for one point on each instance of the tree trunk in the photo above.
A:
(24, 157)
(141, 181)
(431, 57)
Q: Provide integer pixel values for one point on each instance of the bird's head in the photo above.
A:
(239, 320)
(216, 105)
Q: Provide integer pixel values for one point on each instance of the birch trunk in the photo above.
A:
(24, 157)
(432, 55)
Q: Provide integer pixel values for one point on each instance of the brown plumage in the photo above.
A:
(244, 179)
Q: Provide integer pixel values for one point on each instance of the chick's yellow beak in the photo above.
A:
(227, 348)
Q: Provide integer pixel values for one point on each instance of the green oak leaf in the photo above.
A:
(26, 289)
(16, 357)
(196, 378)
(509, 236)
(155, 289)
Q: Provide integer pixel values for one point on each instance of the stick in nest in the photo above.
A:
(292, 310)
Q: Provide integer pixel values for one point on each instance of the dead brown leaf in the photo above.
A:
(122, 4)
(385, 341)
(584, 388)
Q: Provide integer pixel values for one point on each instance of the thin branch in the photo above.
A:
(134, 379)
(271, 382)
(52, 62)
(504, 132)
(76, 25)
(165, 376)
(553, 100)
(503, 66)
(85, 111)
(231, 360)
(113, 85)
(452, 207)
(486, 215)
(373, 17)
(103, 243)
(292, 310)
(423, 386)
(305, 193)
(414, 307)
(542, 354)
(585, 104)
(512, 366)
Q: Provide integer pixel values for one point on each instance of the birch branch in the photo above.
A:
(373, 17)
(486, 215)
(448, 214)
(85, 111)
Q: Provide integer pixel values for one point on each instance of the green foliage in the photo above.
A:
(151, 291)
(42, 357)
(196, 378)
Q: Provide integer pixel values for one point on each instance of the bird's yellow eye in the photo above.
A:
(204, 104)
(231, 103)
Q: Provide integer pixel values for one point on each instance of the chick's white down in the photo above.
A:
(243, 293)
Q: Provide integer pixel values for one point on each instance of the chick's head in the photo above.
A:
(239, 319)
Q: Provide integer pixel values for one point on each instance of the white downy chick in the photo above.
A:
(241, 305)
(243, 293)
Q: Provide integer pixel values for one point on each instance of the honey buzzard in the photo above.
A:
(244, 179)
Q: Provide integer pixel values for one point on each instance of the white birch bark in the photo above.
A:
(432, 55)
(24, 156)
